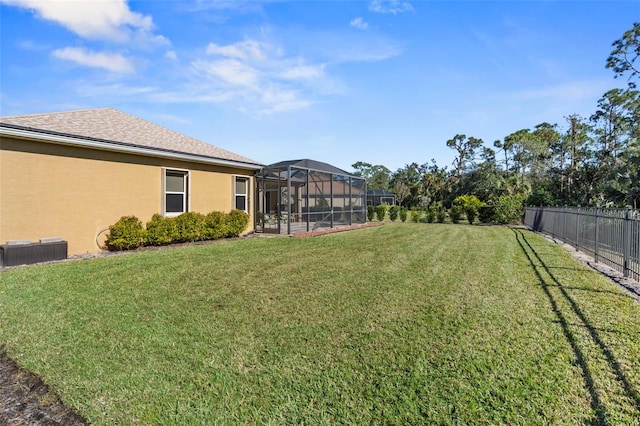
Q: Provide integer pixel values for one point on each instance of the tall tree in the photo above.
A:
(466, 148)
(576, 138)
(623, 59)
(377, 176)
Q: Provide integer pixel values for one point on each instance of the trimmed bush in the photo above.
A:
(381, 211)
(441, 214)
(191, 227)
(126, 234)
(469, 205)
(471, 212)
(487, 214)
(455, 213)
(403, 214)
(235, 223)
(371, 212)
(415, 215)
(393, 213)
(215, 225)
(432, 213)
(161, 231)
(509, 209)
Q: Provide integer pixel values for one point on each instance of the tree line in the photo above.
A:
(587, 161)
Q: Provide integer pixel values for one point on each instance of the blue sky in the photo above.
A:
(385, 82)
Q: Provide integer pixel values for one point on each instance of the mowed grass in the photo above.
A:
(399, 324)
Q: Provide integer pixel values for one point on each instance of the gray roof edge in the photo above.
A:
(104, 144)
(312, 165)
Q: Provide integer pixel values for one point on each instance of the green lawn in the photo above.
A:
(398, 324)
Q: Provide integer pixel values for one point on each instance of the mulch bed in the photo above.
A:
(26, 400)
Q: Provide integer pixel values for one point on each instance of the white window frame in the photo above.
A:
(246, 195)
(186, 191)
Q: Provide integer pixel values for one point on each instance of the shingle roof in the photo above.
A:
(112, 125)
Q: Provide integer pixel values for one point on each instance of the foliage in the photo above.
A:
(415, 214)
(393, 213)
(376, 176)
(540, 198)
(471, 213)
(381, 211)
(487, 214)
(236, 222)
(508, 209)
(191, 227)
(623, 58)
(455, 213)
(161, 231)
(215, 225)
(126, 234)
(466, 148)
(432, 213)
(469, 204)
(441, 214)
(403, 214)
(371, 212)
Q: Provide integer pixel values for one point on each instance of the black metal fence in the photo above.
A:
(610, 236)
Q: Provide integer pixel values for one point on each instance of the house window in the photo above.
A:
(241, 189)
(176, 184)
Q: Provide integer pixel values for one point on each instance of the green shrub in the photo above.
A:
(371, 212)
(541, 198)
(487, 214)
(215, 225)
(471, 212)
(469, 205)
(431, 213)
(190, 227)
(393, 213)
(455, 213)
(509, 209)
(403, 214)
(236, 222)
(126, 234)
(161, 231)
(415, 215)
(381, 211)
(441, 214)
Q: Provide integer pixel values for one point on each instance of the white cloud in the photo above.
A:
(113, 62)
(303, 72)
(390, 6)
(171, 55)
(259, 74)
(101, 20)
(248, 50)
(230, 71)
(359, 23)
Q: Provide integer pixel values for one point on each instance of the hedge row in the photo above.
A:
(128, 232)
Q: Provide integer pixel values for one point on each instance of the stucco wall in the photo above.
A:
(49, 190)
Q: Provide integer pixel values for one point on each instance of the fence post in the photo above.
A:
(578, 228)
(565, 232)
(595, 251)
(626, 241)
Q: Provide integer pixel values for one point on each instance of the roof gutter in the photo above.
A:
(104, 145)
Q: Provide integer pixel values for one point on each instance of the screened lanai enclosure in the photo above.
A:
(306, 195)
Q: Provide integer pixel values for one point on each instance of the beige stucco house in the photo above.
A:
(72, 174)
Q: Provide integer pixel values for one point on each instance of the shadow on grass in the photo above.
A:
(596, 401)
